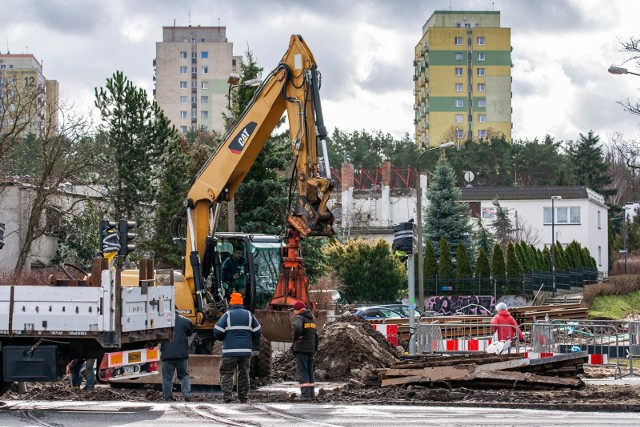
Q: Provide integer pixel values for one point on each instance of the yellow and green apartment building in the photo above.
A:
(462, 78)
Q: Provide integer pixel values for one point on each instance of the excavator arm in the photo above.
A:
(293, 86)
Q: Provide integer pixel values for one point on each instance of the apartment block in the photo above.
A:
(192, 68)
(462, 78)
(28, 101)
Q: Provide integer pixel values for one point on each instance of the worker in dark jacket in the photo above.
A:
(305, 344)
(237, 329)
(174, 355)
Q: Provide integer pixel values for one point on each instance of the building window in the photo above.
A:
(599, 225)
(600, 255)
(458, 56)
(204, 114)
(183, 129)
(459, 71)
(194, 55)
(183, 100)
(204, 55)
(194, 85)
(3, 66)
(204, 99)
(205, 70)
(194, 114)
(481, 56)
(458, 41)
(564, 215)
(459, 87)
(459, 134)
(482, 103)
(480, 40)
(183, 85)
(482, 118)
(482, 133)
(183, 70)
(489, 214)
(459, 103)
(204, 84)
(183, 114)
(205, 127)
(194, 70)
(183, 55)
(481, 87)
(459, 118)
(481, 72)
(194, 99)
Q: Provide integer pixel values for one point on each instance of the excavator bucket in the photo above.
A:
(277, 324)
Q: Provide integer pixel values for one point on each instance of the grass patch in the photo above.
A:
(614, 307)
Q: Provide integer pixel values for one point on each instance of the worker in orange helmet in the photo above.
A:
(505, 324)
(305, 344)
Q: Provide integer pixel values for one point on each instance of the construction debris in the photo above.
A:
(485, 370)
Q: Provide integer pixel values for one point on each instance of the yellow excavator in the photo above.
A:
(274, 277)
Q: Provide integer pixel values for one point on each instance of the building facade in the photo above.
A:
(580, 214)
(192, 68)
(28, 101)
(462, 78)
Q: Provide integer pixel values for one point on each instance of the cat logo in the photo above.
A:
(240, 139)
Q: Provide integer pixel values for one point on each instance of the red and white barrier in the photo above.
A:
(389, 331)
(465, 345)
(530, 355)
(598, 359)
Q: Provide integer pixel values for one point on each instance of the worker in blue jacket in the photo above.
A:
(238, 329)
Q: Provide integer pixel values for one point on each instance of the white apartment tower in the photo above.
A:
(192, 68)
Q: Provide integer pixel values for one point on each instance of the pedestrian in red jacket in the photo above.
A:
(505, 324)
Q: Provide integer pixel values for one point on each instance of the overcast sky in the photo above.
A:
(364, 49)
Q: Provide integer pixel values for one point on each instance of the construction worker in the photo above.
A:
(505, 324)
(305, 344)
(175, 357)
(237, 329)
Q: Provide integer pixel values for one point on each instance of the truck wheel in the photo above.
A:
(261, 364)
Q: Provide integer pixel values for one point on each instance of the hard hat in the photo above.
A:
(236, 298)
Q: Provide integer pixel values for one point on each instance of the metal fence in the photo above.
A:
(528, 284)
(613, 343)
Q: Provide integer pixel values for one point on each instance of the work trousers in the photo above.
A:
(169, 366)
(228, 365)
(89, 372)
(304, 371)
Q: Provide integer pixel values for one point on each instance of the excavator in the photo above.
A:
(274, 278)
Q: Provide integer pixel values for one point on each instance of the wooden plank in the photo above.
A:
(528, 377)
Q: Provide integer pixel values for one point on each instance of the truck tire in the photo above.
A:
(260, 372)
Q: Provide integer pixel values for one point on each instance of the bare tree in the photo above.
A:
(57, 156)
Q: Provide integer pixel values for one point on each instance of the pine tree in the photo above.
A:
(463, 267)
(483, 239)
(430, 262)
(514, 269)
(446, 262)
(446, 217)
(498, 267)
(136, 134)
(483, 270)
(502, 225)
(546, 253)
(588, 164)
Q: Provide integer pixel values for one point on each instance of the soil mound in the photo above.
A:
(346, 346)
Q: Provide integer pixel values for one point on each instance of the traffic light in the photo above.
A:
(109, 240)
(126, 236)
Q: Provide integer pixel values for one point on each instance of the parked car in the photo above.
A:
(392, 311)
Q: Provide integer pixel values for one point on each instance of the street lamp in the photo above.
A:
(234, 81)
(419, 221)
(620, 70)
(553, 242)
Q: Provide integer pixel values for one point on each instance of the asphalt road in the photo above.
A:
(82, 414)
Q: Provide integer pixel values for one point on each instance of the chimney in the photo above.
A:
(386, 173)
(347, 176)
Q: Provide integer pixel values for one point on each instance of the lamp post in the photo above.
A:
(234, 82)
(419, 225)
(553, 242)
(620, 70)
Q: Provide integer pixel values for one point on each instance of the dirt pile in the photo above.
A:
(349, 347)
